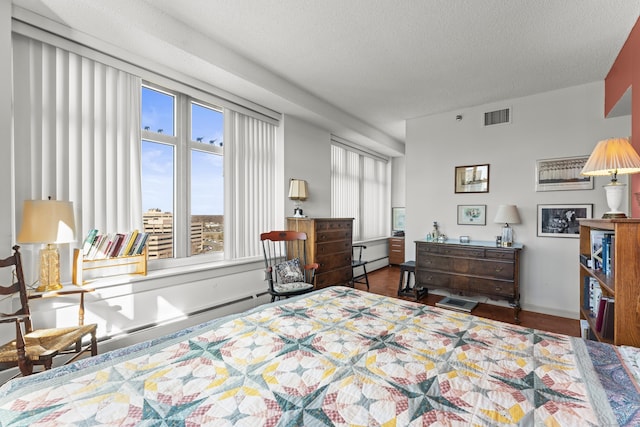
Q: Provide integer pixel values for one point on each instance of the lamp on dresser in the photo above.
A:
(507, 214)
(298, 193)
(613, 156)
(49, 222)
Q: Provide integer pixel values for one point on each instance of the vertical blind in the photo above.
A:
(359, 190)
(250, 202)
(77, 133)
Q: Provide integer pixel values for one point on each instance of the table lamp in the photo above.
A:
(49, 222)
(507, 214)
(298, 193)
(613, 156)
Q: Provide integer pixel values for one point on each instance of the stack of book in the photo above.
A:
(113, 245)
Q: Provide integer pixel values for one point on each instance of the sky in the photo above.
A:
(159, 160)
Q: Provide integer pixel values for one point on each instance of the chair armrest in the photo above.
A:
(312, 266)
(10, 318)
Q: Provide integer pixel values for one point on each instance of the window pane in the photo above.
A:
(158, 165)
(206, 125)
(207, 202)
(158, 111)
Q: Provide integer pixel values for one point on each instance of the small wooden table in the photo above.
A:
(68, 289)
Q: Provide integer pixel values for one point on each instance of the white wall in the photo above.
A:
(562, 123)
(307, 155)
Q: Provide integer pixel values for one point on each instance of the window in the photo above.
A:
(194, 168)
(359, 190)
(182, 153)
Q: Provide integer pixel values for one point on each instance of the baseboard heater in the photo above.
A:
(457, 304)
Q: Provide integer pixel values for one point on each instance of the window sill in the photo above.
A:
(215, 268)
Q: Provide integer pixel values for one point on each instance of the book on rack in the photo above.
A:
(112, 245)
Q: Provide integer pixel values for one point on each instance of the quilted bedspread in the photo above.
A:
(338, 356)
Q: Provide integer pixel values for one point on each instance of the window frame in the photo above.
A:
(183, 145)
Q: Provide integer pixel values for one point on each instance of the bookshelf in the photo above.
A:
(622, 283)
(85, 270)
(110, 254)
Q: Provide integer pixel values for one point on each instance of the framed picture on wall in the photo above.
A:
(562, 220)
(472, 214)
(562, 174)
(472, 179)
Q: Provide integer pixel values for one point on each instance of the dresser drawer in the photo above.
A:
(438, 280)
(333, 235)
(334, 260)
(449, 250)
(492, 288)
(500, 254)
(333, 247)
(484, 268)
(333, 277)
(334, 225)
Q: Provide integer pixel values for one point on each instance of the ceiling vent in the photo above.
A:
(497, 117)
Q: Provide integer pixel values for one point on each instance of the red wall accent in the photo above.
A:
(625, 73)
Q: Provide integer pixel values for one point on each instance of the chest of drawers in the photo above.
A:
(328, 244)
(396, 250)
(470, 269)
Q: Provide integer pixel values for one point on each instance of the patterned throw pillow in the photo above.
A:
(289, 271)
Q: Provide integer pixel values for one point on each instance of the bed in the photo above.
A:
(339, 356)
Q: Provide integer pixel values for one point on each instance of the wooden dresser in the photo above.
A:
(476, 268)
(328, 244)
(396, 250)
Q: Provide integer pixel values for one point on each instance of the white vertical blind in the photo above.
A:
(250, 184)
(345, 186)
(77, 136)
(359, 189)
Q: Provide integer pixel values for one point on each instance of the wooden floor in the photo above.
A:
(385, 282)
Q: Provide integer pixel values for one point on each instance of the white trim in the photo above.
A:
(336, 140)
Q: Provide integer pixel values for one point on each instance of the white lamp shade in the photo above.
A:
(298, 189)
(47, 221)
(507, 214)
(614, 155)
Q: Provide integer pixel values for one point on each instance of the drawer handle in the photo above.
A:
(499, 269)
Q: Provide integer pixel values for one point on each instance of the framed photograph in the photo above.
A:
(397, 219)
(472, 179)
(562, 220)
(562, 174)
(472, 214)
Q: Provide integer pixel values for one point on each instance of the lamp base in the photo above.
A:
(609, 215)
(614, 192)
(49, 269)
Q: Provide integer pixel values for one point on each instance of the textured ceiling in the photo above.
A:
(380, 61)
(385, 61)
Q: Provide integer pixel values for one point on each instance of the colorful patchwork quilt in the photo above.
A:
(340, 357)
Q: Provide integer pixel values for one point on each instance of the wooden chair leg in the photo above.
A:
(24, 363)
(94, 345)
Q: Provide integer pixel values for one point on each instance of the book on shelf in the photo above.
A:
(602, 250)
(113, 245)
(608, 318)
(600, 313)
